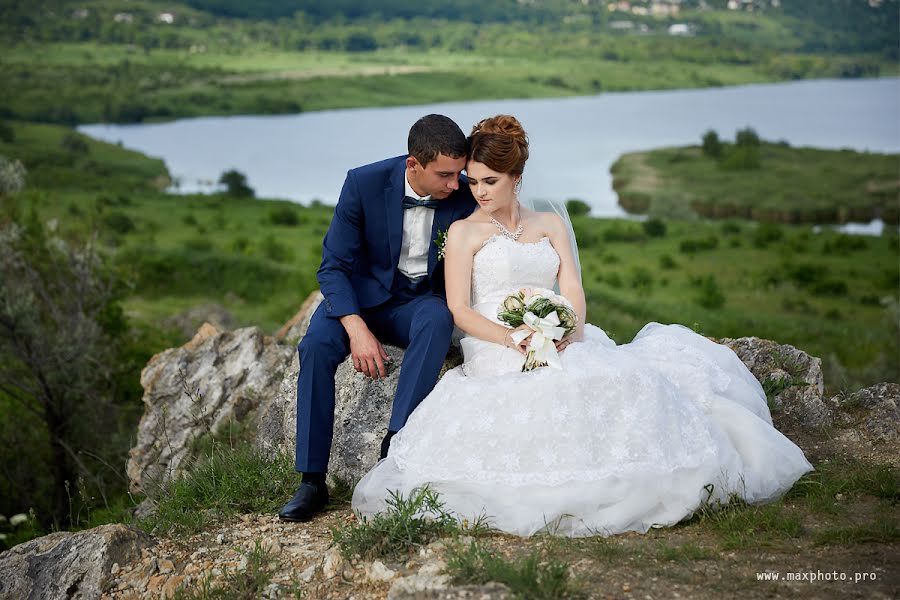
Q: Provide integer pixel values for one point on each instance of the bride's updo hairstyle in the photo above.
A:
(500, 143)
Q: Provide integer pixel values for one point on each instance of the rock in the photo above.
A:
(423, 586)
(296, 327)
(362, 409)
(194, 390)
(794, 375)
(333, 563)
(868, 422)
(69, 565)
(170, 588)
(308, 573)
(377, 572)
(361, 415)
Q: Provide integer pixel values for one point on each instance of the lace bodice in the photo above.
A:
(503, 265)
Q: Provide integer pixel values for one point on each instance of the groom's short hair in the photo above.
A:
(436, 134)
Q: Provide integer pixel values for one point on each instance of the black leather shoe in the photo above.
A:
(309, 499)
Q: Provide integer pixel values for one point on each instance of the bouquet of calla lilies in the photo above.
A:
(549, 317)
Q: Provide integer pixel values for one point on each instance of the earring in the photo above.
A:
(518, 186)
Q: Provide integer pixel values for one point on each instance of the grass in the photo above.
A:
(203, 66)
(791, 185)
(838, 478)
(224, 481)
(529, 577)
(408, 524)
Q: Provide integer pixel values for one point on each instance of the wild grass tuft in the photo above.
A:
(531, 577)
(847, 477)
(742, 525)
(408, 523)
(684, 553)
(225, 481)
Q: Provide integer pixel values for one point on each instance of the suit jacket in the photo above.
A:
(362, 247)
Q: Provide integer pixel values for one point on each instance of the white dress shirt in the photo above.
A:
(417, 224)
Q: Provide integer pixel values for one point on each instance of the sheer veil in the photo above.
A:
(559, 208)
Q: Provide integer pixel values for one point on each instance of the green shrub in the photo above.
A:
(694, 245)
(709, 295)
(623, 231)
(275, 250)
(843, 244)
(829, 287)
(654, 228)
(614, 280)
(641, 278)
(74, 143)
(197, 244)
(806, 274)
(284, 215)
(741, 158)
(766, 233)
(731, 227)
(118, 222)
(667, 262)
(190, 220)
(7, 133)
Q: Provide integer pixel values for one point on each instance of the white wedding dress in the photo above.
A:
(623, 438)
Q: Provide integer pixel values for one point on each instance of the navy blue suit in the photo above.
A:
(359, 275)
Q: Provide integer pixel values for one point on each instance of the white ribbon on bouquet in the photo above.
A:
(543, 333)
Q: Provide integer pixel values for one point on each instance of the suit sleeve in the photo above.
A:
(342, 244)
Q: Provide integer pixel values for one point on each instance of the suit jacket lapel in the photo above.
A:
(393, 200)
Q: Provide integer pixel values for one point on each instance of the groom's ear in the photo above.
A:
(411, 162)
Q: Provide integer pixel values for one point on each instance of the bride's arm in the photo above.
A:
(569, 278)
(459, 254)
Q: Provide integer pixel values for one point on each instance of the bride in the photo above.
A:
(621, 438)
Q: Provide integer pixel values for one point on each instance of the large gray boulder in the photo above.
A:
(793, 379)
(69, 565)
(193, 390)
(361, 414)
(868, 423)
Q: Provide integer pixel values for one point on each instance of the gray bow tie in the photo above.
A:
(410, 202)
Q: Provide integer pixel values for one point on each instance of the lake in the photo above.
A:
(574, 141)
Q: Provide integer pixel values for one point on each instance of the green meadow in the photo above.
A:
(770, 182)
(831, 294)
(57, 67)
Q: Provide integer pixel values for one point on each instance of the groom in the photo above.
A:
(382, 282)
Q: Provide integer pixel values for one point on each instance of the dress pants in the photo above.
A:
(413, 319)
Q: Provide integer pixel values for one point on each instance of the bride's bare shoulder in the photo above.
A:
(469, 232)
(548, 222)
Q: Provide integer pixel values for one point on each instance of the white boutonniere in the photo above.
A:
(441, 241)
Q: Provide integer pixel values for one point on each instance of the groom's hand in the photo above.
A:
(367, 352)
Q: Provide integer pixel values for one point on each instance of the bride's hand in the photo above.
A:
(522, 346)
(562, 344)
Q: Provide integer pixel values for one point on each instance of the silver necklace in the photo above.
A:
(510, 235)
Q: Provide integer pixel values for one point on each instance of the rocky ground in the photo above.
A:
(684, 562)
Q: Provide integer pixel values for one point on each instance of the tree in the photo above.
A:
(60, 332)
(235, 184)
(712, 147)
(577, 208)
